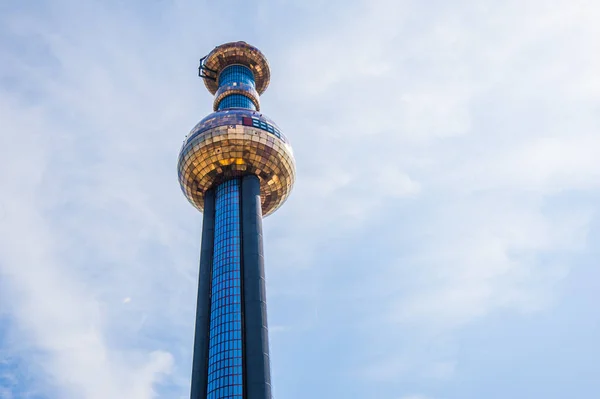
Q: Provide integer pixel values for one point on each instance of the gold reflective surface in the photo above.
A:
(227, 151)
(238, 53)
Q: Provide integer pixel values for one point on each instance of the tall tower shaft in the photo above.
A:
(235, 166)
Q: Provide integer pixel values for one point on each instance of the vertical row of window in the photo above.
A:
(225, 342)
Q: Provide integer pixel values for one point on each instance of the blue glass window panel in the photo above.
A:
(225, 336)
(236, 74)
(236, 101)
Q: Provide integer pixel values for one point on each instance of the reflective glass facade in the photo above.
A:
(225, 335)
(236, 101)
(236, 74)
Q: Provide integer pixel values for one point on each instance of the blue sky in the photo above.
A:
(441, 239)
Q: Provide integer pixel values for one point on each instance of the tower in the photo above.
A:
(236, 167)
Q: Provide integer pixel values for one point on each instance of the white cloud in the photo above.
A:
(74, 217)
(52, 307)
(485, 110)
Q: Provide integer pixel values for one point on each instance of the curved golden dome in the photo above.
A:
(232, 143)
(238, 53)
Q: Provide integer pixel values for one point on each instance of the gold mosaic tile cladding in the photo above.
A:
(228, 151)
(231, 116)
(239, 88)
(238, 53)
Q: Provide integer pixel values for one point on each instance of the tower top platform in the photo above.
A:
(232, 53)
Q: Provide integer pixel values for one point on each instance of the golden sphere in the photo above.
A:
(232, 143)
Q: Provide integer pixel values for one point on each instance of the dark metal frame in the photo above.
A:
(205, 69)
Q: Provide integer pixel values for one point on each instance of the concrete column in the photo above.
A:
(200, 359)
(256, 338)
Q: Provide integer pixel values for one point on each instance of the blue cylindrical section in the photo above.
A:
(236, 74)
(225, 369)
(236, 101)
